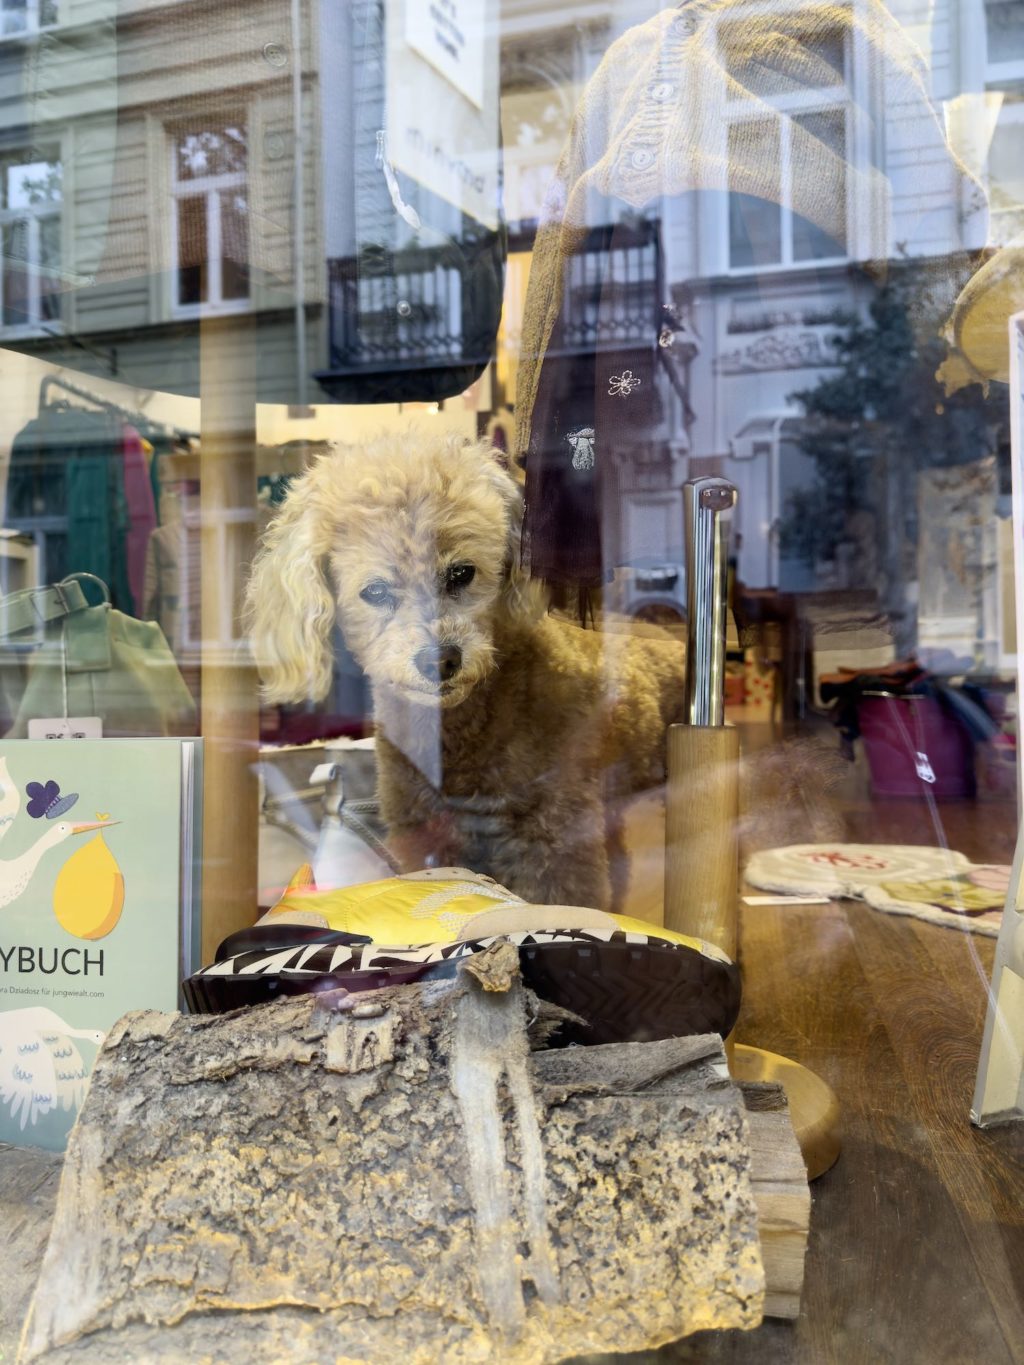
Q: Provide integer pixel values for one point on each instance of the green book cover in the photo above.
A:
(98, 910)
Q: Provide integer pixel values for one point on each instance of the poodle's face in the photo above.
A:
(412, 544)
(419, 583)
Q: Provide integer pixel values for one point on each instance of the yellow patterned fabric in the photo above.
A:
(958, 894)
(396, 910)
(421, 909)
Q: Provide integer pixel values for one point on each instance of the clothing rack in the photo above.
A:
(136, 419)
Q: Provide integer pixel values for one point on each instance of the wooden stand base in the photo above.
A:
(813, 1107)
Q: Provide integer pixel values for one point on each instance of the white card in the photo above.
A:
(67, 727)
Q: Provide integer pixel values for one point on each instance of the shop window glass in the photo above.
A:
(462, 406)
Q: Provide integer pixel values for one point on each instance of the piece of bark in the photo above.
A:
(783, 1197)
(28, 1192)
(777, 1172)
(398, 1180)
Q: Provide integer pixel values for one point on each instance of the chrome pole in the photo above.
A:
(706, 549)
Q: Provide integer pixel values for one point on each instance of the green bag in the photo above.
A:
(64, 657)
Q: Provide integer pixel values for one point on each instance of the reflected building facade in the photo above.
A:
(256, 163)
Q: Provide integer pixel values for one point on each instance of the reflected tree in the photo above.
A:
(873, 423)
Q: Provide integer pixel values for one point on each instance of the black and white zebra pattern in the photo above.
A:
(318, 959)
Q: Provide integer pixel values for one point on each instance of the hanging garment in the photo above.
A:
(65, 487)
(172, 578)
(93, 660)
(142, 519)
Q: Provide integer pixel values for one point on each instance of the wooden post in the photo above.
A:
(230, 709)
(701, 849)
(702, 801)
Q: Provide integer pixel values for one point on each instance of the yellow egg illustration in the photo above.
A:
(88, 896)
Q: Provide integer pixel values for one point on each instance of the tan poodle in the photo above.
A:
(507, 738)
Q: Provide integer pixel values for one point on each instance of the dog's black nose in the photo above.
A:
(439, 664)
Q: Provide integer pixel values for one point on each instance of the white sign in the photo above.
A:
(451, 35)
(442, 100)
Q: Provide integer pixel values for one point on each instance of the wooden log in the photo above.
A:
(28, 1192)
(782, 1195)
(396, 1177)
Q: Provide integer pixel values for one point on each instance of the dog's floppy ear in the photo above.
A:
(290, 609)
(522, 596)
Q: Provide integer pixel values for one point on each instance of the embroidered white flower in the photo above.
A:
(622, 385)
(582, 442)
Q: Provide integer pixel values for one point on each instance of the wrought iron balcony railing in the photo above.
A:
(415, 309)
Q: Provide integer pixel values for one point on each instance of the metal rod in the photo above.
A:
(706, 546)
(299, 209)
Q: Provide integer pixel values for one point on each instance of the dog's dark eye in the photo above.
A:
(459, 576)
(378, 594)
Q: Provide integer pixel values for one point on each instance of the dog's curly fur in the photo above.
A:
(515, 763)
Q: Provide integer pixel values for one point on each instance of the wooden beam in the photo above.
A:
(229, 688)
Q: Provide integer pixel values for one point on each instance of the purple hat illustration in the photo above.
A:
(45, 799)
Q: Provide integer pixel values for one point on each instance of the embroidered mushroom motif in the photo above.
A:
(622, 385)
(582, 442)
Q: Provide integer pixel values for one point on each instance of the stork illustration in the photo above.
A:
(16, 873)
(10, 798)
(40, 1066)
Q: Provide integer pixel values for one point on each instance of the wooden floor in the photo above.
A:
(916, 1253)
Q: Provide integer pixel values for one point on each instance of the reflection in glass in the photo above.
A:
(210, 151)
(1006, 170)
(15, 16)
(755, 224)
(30, 207)
(234, 244)
(49, 262)
(212, 245)
(15, 250)
(827, 126)
(192, 249)
(28, 184)
(1004, 24)
(780, 55)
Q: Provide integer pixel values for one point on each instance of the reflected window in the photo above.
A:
(30, 230)
(26, 16)
(210, 223)
(1004, 72)
(802, 73)
(1004, 28)
(755, 223)
(778, 55)
(1006, 171)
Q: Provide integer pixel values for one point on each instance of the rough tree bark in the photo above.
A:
(396, 1177)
